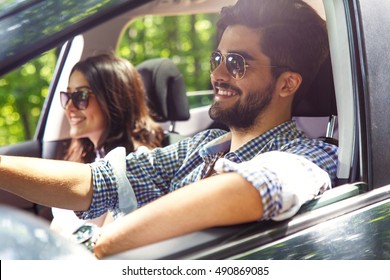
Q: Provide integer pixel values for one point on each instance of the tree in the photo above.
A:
(22, 94)
(187, 40)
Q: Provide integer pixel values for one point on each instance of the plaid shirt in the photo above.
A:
(148, 175)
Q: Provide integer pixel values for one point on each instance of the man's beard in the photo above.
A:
(242, 115)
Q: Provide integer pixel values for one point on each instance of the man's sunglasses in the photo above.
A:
(79, 99)
(235, 63)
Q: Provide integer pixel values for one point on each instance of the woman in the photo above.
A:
(106, 108)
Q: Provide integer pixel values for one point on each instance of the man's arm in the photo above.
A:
(216, 201)
(48, 182)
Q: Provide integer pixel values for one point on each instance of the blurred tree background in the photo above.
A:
(187, 40)
(22, 94)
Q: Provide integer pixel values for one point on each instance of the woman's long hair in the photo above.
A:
(119, 91)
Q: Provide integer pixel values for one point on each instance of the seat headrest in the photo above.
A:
(165, 90)
(319, 100)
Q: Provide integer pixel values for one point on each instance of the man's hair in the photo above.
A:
(292, 34)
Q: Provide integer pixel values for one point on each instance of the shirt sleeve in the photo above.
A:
(285, 181)
(112, 189)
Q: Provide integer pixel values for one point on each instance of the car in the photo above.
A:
(351, 221)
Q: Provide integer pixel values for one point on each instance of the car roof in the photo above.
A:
(57, 21)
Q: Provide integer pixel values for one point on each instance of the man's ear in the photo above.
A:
(290, 82)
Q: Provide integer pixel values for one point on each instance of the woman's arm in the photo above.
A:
(220, 200)
(48, 182)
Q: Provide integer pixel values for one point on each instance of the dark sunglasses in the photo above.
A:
(235, 64)
(79, 99)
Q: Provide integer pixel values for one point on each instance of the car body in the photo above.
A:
(351, 221)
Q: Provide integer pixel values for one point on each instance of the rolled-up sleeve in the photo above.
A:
(111, 189)
(285, 181)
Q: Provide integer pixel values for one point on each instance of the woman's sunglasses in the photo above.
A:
(235, 64)
(79, 99)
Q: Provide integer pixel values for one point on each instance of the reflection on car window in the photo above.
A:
(25, 30)
(8, 7)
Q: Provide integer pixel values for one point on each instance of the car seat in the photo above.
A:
(166, 94)
(316, 103)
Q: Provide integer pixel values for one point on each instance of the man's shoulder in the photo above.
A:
(309, 146)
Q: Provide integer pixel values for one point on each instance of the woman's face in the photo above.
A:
(90, 122)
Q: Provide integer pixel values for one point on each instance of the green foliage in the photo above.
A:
(22, 93)
(187, 40)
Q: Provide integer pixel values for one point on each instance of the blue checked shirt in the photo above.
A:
(277, 163)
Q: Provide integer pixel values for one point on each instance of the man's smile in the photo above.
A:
(224, 90)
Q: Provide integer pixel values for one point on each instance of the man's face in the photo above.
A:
(238, 102)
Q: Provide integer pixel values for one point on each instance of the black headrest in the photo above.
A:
(165, 90)
(319, 100)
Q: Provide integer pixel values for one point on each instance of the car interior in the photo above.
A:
(166, 94)
(327, 114)
(317, 114)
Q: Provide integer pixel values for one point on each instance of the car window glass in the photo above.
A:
(20, 21)
(187, 40)
(8, 7)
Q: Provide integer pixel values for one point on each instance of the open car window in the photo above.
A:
(189, 47)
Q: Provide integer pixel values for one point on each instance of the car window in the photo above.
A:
(22, 94)
(187, 40)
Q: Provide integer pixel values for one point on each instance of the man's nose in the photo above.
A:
(220, 73)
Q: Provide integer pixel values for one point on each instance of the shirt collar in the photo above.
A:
(271, 140)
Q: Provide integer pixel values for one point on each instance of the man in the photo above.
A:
(263, 169)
